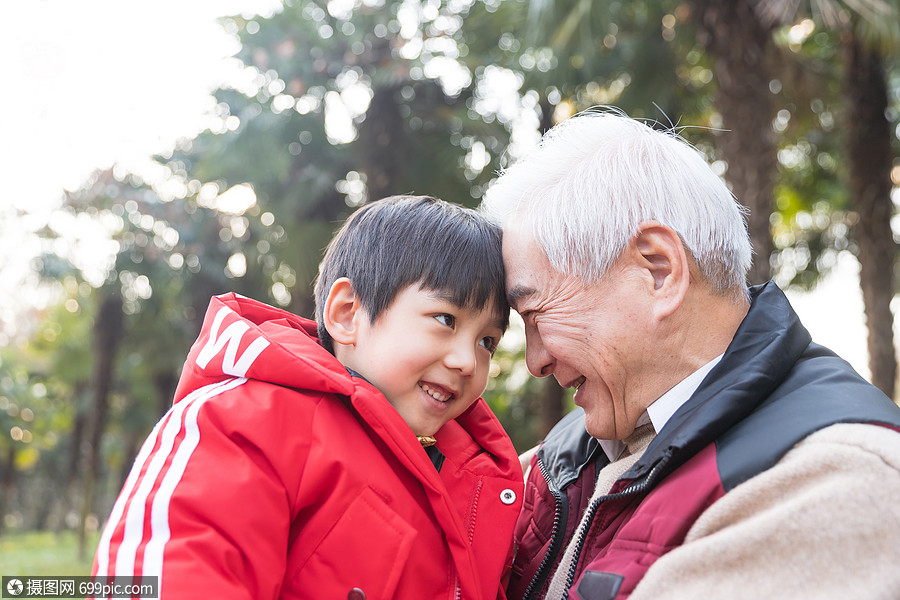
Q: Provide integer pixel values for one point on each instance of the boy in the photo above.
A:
(361, 466)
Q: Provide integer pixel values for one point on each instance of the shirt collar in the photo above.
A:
(664, 407)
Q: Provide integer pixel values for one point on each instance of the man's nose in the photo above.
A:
(539, 361)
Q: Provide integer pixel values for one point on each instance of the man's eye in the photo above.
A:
(490, 343)
(445, 319)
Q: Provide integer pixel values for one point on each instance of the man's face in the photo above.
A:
(594, 337)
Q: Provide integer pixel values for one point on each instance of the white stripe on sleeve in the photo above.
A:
(159, 512)
(168, 427)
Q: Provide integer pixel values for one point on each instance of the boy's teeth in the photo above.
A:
(439, 396)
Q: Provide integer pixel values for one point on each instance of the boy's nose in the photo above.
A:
(461, 357)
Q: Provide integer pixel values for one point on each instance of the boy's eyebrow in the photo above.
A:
(517, 293)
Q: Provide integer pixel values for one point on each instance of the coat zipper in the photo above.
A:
(592, 510)
(555, 538)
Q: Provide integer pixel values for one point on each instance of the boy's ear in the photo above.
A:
(341, 312)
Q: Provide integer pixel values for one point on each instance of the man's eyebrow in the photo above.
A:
(517, 293)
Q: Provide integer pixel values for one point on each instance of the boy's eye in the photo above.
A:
(445, 319)
(490, 344)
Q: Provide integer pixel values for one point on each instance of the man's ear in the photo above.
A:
(659, 251)
(341, 312)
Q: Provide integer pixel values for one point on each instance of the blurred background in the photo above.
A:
(156, 154)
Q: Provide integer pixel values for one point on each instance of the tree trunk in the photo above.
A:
(547, 110)
(107, 334)
(165, 383)
(381, 134)
(551, 407)
(78, 427)
(66, 498)
(45, 505)
(738, 43)
(870, 158)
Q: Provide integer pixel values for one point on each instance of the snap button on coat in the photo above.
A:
(507, 496)
(356, 594)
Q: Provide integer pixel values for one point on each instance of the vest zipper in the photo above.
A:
(635, 488)
(559, 517)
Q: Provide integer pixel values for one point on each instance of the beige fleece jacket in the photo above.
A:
(823, 523)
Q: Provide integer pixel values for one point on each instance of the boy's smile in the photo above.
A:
(428, 356)
(437, 392)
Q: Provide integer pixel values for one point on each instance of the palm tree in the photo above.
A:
(869, 30)
(869, 160)
(739, 42)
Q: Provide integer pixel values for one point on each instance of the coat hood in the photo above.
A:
(241, 337)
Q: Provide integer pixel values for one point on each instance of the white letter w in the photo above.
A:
(231, 336)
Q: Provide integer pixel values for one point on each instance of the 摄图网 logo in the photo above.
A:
(14, 587)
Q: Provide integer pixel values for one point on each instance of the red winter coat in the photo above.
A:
(278, 475)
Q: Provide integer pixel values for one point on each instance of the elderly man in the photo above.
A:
(717, 452)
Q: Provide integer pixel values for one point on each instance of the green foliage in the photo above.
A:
(36, 381)
(638, 56)
(514, 395)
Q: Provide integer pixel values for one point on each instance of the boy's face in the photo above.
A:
(429, 357)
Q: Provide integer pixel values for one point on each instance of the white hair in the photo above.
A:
(596, 176)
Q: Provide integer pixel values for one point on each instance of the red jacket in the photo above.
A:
(278, 475)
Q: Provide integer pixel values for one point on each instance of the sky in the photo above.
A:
(89, 84)
(97, 81)
(93, 83)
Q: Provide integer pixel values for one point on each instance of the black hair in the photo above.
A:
(390, 244)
